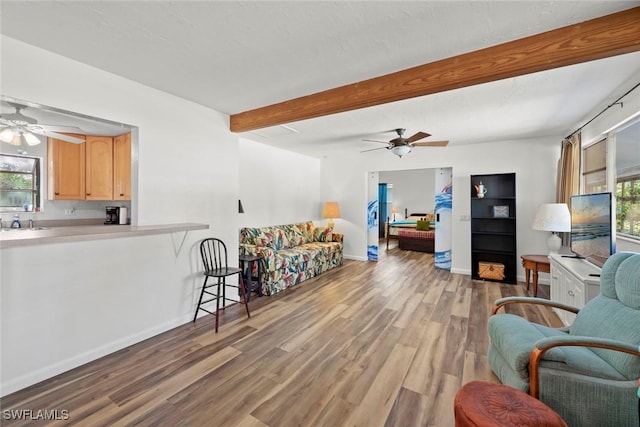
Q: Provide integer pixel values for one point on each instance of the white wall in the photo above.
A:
(188, 172)
(533, 160)
(278, 186)
(413, 190)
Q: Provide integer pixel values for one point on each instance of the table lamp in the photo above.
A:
(394, 212)
(554, 217)
(331, 210)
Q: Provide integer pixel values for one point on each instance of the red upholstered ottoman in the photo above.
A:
(484, 404)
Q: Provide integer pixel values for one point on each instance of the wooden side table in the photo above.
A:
(537, 263)
(249, 260)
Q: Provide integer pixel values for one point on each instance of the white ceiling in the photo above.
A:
(236, 56)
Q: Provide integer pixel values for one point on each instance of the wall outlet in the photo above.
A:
(71, 211)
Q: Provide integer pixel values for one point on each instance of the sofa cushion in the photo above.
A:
(320, 234)
(293, 236)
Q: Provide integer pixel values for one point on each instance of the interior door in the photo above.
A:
(443, 205)
(372, 216)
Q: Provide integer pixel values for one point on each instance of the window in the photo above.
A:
(628, 206)
(19, 183)
(594, 170)
(619, 175)
(627, 190)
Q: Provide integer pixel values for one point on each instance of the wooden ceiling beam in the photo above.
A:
(603, 37)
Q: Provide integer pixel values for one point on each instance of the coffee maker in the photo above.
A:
(112, 215)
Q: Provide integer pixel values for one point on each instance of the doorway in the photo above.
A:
(401, 193)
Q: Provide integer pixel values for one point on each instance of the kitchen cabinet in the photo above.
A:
(99, 167)
(65, 170)
(493, 224)
(574, 282)
(122, 167)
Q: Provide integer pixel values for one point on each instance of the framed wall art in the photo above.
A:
(501, 211)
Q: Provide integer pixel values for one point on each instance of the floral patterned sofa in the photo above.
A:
(292, 253)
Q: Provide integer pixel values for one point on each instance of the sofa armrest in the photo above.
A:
(335, 237)
(531, 300)
(545, 344)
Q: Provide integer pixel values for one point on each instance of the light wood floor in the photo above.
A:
(367, 344)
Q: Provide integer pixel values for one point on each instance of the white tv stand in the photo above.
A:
(574, 281)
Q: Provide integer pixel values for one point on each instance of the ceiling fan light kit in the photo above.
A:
(401, 150)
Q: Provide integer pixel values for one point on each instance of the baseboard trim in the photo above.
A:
(51, 371)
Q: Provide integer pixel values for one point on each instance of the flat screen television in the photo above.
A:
(592, 233)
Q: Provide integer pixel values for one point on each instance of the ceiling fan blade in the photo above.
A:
(373, 140)
(418, 136)
(431, 144)
(56, 135)
(374, 149)
(56, 128)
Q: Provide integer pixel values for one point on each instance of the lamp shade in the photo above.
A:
(552, 217)
(394, 210)
(331, 210)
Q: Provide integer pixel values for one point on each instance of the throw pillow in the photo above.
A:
(422, 225)
(320, 234)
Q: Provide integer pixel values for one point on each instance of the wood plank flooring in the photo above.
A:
(366, 344)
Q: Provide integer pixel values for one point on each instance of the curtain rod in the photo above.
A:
(616, 102)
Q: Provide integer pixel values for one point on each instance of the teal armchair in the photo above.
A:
(587, 372)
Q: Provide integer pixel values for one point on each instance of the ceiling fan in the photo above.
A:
(401, 146)
(16, 126)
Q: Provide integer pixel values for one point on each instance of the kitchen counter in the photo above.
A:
(26, 237)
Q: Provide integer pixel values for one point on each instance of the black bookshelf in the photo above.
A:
(493, 224)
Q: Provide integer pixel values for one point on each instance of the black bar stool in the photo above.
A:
(214, 257)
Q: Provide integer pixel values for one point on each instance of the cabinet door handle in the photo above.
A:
(122, 194)
(571, 293)
(88, 194)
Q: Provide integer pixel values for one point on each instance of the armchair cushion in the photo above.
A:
(622, 324)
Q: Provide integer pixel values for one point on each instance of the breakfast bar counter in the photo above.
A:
(24, 237)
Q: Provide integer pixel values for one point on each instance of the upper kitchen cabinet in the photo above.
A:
(66, 170)
(98, 169)
(99, 176)
(122, 167)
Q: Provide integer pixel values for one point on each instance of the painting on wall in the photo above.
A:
(372, 217)
(443, 206)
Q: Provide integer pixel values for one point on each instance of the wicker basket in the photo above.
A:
(491, 270)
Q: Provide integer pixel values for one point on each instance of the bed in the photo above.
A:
(409, 223)
(410, 239)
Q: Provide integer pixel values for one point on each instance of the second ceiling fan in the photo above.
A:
(401, 146)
